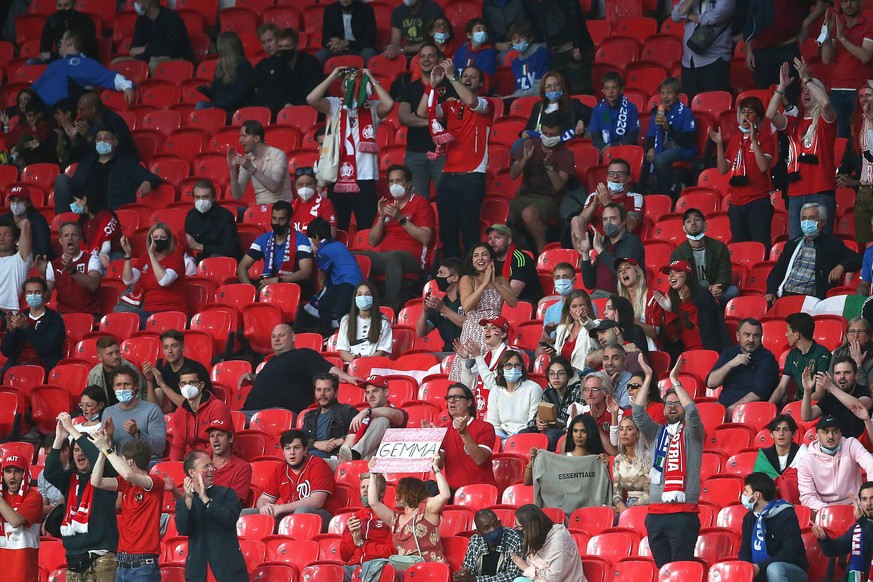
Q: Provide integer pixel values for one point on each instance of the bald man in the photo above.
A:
(285, 381)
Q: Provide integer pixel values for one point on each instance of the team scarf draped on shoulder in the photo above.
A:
(669, 462)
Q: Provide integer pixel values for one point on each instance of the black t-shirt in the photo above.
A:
(171, 378)
(286, 381)
(448, 330)
(490, 562)
(524, 269)
(851, 425)
(98, 180)
(418, 138)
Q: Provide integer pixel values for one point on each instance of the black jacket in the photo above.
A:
(842, 546)
(559, 22)
(363, 25)
(783, 540)
(165, 36)
(277, 84)
(499, 18)
(57, 24)
(338, 427)
(215, 230)
(232, 96)
(718, 260)
(829, 252)
(124, 179)
(47, 338)
(212, 536)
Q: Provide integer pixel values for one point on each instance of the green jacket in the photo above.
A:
(718, 260)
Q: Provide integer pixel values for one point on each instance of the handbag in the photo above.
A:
(703, 37)
(329, 155)
(403, 561)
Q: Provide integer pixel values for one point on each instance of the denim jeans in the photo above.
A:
(664, 173)
(785, 572)
(795, 205)
(144, 573)
(843, 102)
(459, 202)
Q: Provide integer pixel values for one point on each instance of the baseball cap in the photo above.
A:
(499, 229)
(22, 192)
(621, 260)
(676, 266)
(498, 321)
(15, 460)
(602, 325)
(377, 381)
(828, 421)
(219, 424)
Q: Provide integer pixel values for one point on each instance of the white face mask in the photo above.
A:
(137, 7)
(189, 391)
(18, 208)
(305, 193)
(397, 190)
(550, 141)
(615, 187)
(695, 236)
(747, 502)
(203, 206)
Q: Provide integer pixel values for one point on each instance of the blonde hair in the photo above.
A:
(230, 54)
(639, 304)
(815, 113)
(171, 248)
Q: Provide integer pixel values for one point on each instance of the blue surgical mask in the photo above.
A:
(137, 7)
(364, 302)
(35, 301)
(521, 46)
(695, 236)
(76, 208)
(615, 187)
(554, 95)
(124, 396)
(104, 148)
(441, 37)
(809, 227)
(747, 501)
(494, 536)
(832, 451)
(564, 286)
(745, 129)
(513, 375)
(480, 36)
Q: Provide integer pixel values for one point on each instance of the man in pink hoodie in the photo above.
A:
(831, 472)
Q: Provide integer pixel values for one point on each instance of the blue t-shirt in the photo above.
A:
(611, 123)
(867, 265)
(483, 58)
(338, 264)
(529, 71)
(681, 120)
(276, 263)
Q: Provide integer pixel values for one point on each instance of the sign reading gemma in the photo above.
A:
(408, 450)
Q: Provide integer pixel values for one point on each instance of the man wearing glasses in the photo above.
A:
(468, 444)
(597, 392)
(616, 190)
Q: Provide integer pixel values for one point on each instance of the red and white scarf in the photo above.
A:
(78, 510)
(802, 148)
(358, 129)
(438, 133)
(670, 463)
(738, 167)
(14, 500)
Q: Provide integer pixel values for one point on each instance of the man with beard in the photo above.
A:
(516, 265)
(287, 75)
(366, 537)
(489, 553)
(426, 169)
(615, 242)
(616, 190)
(673, 522)
(88, 529)
(840, 396)
(443, 313)
(857, 542)
(326, 427)
(230, 471)
(709, 257)
(286, 253)
(20, 518)
(747, 372)
(265, 166)
(75, 274)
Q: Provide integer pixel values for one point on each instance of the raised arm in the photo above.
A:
(317, 99)
(436, 503)
(379, 508)
(818, 92)
(778, 119)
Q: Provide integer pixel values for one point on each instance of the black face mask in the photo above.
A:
(279, 229)
(287, 54)
(442, 283)
(161, 245)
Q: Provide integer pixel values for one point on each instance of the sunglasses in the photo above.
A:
(305, 171)
(634, 386)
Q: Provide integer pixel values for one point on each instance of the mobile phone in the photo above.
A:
(547, 345)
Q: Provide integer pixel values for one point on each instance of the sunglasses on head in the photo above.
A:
(305, 171)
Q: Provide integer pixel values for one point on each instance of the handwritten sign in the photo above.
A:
(408, 450)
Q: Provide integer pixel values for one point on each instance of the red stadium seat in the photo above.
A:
(220, 269)
(272, 421)
(265, 573)
(633, 518)
(730, 438)
(25, 377)
(754, 414)
(477, 496)
(617, 51)
(712, 415)
(733, 570)
(229, 371)
(715, 543)
(141, 349)
(518, 495)
(508, 469)
(837, 518)
(522, 443)
(260, 114)
(613, 546)
(593, 520)
(52, 555)
(637, 569)
(323, 573)
(301, 526)
(682, 572)
(258, 323)
(255, 527)
(249, 444)
(722, 490)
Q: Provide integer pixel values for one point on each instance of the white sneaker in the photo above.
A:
(345, 454)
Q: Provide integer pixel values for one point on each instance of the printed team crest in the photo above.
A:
(346, 170)
(75, 61)
(303, 490)
(436, 126)
(807, 141)
(138, 496)
(368, 132)
(80, 267)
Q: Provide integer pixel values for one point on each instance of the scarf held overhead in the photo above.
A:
(355, 128)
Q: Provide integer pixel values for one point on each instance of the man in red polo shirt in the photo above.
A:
(849, 49)
(467, 122)
(469, 442)
(404, 229)
(616, 190)
(303, 484)
(142, 496)
(230, 471)
(75, 275)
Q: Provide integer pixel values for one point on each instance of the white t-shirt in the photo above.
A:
(13, 272)
(367, 162)
(364, 347)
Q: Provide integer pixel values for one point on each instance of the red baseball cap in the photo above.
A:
(22, 192)
(377, 381)
(621, 260)
(15, 460)
(677, 266)
(498, 321)
(218, 424)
